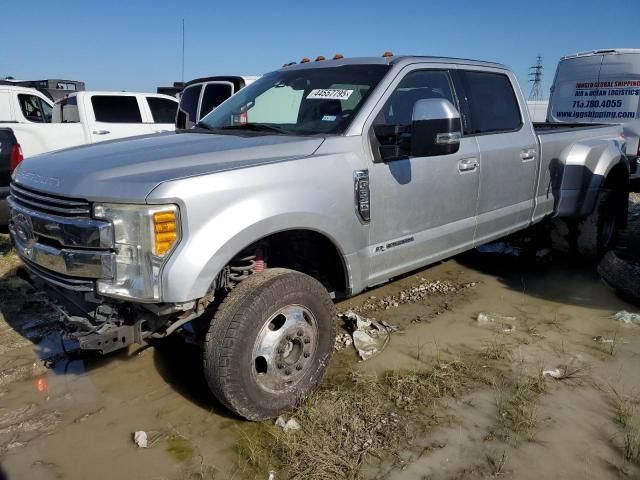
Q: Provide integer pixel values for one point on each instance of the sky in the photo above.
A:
(137, 45)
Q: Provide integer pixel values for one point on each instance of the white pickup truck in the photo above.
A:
(81, 118)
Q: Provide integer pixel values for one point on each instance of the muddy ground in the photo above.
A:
(451, 397)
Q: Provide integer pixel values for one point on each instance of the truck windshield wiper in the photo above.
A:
(257, 127)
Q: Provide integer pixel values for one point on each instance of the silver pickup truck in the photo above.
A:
(316, 182)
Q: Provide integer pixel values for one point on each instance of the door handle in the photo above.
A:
(100, 132)
(527, 155)
(468, 164)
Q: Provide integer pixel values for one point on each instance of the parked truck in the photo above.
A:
(242, 230)
(82, 117)
(10, 157)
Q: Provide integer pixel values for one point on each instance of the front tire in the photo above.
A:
(269, 343)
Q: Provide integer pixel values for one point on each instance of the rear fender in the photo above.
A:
(581, 172)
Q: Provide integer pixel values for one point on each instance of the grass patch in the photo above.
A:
(179, 448)
(624, 405)
(353, 420)
(517, 402)
(631, 445)
(495, 349)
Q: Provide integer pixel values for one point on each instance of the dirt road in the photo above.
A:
(494, 413)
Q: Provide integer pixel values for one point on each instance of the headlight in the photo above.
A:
(144, 237)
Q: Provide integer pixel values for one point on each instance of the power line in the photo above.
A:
(536, 78)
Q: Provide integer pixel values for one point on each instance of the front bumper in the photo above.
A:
(68, 251)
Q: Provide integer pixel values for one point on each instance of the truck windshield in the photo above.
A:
(299, 101)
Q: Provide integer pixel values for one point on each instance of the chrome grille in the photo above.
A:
(51, 204)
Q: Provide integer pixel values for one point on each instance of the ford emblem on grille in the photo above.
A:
(24, 229)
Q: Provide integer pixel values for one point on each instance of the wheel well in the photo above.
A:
(618, 177)
(305, 251)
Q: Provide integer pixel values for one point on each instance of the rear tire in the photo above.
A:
(622, 273)
(269, 343)
(591, 237)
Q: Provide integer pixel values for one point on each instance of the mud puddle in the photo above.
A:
(77, 420)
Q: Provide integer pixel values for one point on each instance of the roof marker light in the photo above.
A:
(305, 60)
(320, 58)
(338, 56)
(387, 54)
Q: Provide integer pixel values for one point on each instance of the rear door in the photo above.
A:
(213, 94)
(618, 88)
(187, 115)
(575, 79)
(162, 113)
(114, 116)
(508, 150)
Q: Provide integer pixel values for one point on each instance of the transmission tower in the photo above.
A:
(536, 78)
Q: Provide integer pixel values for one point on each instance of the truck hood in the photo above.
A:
(128, 170)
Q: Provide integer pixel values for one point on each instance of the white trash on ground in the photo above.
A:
(369, 336)
(505, 323)
(556, 373)
(286, 426)
(140, 437)
(627, 317)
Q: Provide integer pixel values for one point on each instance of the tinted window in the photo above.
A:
(188, 109)
(417, 85)
(31, 109)
(493, 106)
(116, 109)
(214, 95)
(162, 109)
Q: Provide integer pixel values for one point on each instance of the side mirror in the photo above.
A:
(435, 128)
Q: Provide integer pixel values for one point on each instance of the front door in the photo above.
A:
(422, 208)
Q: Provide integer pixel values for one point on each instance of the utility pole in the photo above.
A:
(183, 50)
(536, 78)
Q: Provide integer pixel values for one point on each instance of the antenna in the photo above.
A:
(183, 50)
(536, 78)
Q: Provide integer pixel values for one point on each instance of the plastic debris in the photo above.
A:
(140, 437)
(290, 425)
(627, 317)
(369, 336)
(272, 475)
(601, 339)
(557, 373)
(504, 323)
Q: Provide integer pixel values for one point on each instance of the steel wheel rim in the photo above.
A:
(284, 348)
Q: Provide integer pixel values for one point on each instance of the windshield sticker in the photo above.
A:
(329, 94)
(329, 118)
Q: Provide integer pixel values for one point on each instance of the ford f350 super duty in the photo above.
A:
(315, 182)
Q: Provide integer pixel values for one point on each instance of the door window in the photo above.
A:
(416, 85)
(116, 109)
(163, 110)
(188, 108)
(214, 95)
(492, 103)
(32, 109)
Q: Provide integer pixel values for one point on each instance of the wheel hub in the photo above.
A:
(284, 348)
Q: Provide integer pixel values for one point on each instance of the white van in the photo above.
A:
(600, 86)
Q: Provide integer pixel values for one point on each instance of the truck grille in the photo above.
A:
(51, 204)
